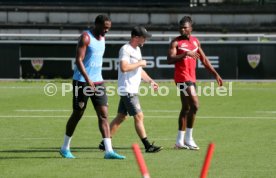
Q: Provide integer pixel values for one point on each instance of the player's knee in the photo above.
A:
(120, 118)
(194, 107)
(103, 116)
(77, 114)
(185, 110)
(123, 118)
(139, 117)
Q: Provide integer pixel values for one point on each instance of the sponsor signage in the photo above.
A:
(232, 61)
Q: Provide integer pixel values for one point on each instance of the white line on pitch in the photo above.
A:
(152, 111)
(235, 117)
(19, 87)
(161, 110)
(268, 112)
(203, 117)
(43, 110)
(37, 138)
(33, 116)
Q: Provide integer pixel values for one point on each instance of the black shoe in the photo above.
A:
(153, 149)
(101, 146)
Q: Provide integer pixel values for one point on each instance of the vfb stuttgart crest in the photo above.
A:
(253, 60)
(37, 64)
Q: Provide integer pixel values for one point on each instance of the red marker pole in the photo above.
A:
(140, 161)
(207, 161)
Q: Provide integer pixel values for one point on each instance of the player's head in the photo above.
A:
(185, 26)
(102, 25)
(140, 34)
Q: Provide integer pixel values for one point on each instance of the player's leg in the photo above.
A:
(103, 124)
(141, 131)
(116, 122)
(73, 122)
(99, 100)
(182, 119)
(139, 125)
(134, 109)
(194, 105)
(79, 105)
(121, 116)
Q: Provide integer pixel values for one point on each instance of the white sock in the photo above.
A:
(189, 133)
(180, 137)
(66, 144)
(107, 145)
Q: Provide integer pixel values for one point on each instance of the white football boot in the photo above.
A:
(190, 143)
(180, 146)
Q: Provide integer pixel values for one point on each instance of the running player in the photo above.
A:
(88, 83)
(183, 52)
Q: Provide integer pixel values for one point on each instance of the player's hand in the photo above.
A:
(143, 63)
(154, 85)
(219, 80)
(193, 54)
(91, 84)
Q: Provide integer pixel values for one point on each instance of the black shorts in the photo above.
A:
(82, 91)
(185, 85)
(129, 104)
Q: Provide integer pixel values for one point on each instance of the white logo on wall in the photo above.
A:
(37, 64)
(253, 60)
(158, 62)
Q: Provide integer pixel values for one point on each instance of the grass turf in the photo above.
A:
(242, 126)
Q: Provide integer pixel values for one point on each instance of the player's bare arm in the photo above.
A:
(205, 61)
(126, 66)
(172, 57)
(148, 79)
(81, 50)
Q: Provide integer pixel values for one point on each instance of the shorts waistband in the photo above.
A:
(129, 94)
(95, 83)
(98, 83)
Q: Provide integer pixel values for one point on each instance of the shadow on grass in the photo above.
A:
(29, 157)
(33, 150)
(82, 149)
(16, 154)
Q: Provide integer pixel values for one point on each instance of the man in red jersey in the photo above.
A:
(183, 52)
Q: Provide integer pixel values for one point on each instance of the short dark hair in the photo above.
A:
(100, 19)
(186, 19)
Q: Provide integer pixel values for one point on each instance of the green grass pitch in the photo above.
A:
(242, 126)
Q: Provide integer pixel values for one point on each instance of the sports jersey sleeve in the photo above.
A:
(124, 55)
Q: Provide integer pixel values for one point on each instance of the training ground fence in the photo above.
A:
(52, 56)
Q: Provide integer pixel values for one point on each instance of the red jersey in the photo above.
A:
(185, 70)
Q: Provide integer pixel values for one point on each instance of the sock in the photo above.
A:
(102, 142)
(107, 145)
(189, 133)
(180, 137)
(145, 142)
(66, 144)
